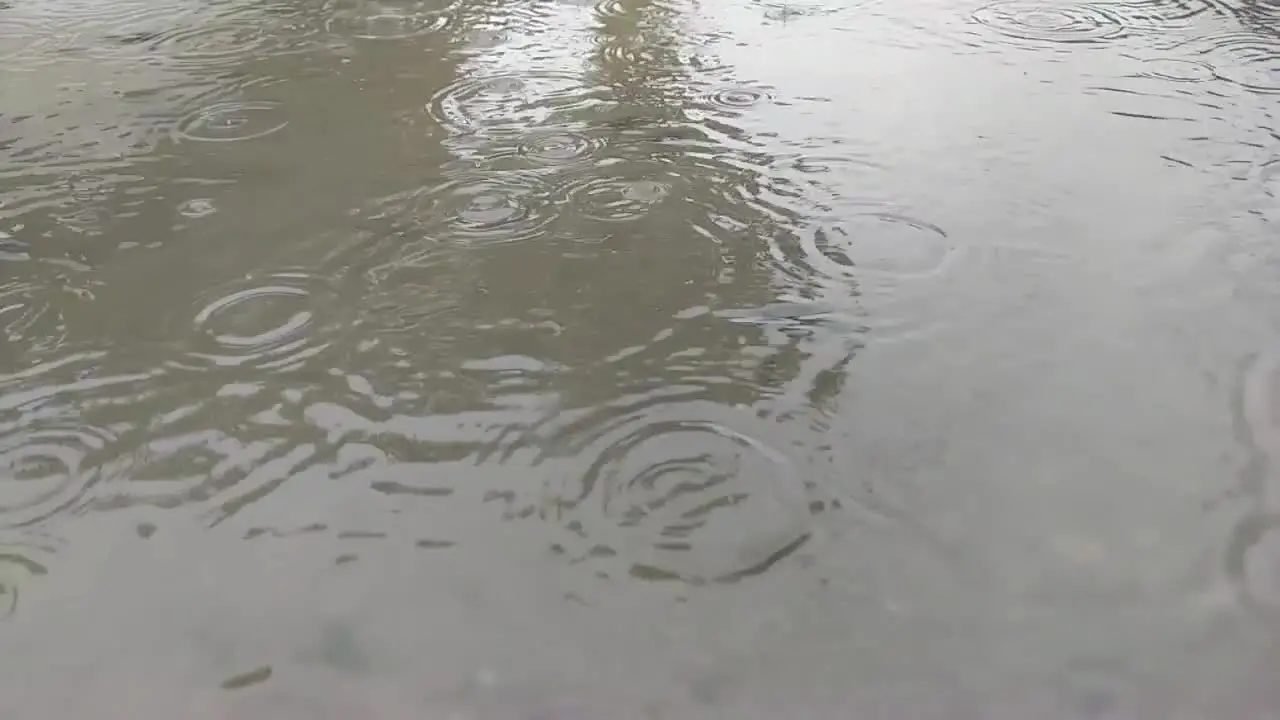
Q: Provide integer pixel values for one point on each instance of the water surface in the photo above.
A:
(646, 358)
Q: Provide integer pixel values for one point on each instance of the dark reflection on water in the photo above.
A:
(641, 358)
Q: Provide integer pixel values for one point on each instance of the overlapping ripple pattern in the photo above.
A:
(815, 358)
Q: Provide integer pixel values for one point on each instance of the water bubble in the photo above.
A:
(1052, 22)
(45, 468)
(670, 495)
(512, 102)
(267, 321)
(388, 20)
(485, 209)
(233, 121)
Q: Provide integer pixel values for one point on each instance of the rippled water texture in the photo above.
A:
(560, 359)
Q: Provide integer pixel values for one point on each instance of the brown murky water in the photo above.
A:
(548, 360)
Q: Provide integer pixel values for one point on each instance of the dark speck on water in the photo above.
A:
(244, 680)
(549, 359)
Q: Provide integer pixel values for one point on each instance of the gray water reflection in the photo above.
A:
(638, 359)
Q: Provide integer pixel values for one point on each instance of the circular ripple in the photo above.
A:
(884, 244)
(119, 17)
(611, 8)
(558, 148)
(670, 497)
(1177, 70)
(1252, 563)
(1049, 22)
(513, 102)
(21, 36)
(544, 149)
(45, 470)
(623, 9)
(1247, 59)
(485, 209)
(21, 307)
(31, 312)
(1166, 14)
(267, 322)
(233, 121)
(621, 199)
(1260, 405)
(626, 51)
(388, 20)
(22, 559)
(222, 42)
(736, 98)
(487, 38)
(116, 30)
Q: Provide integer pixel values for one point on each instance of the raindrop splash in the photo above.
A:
(509, 102)
(669, 495)
(233, 121)
(477, 209)
(267, 322)
(387, 20)
(1049, 23)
